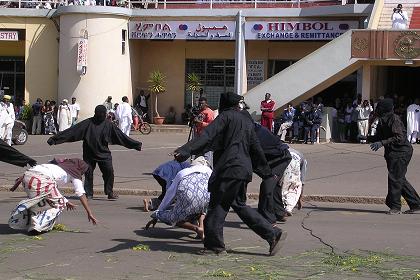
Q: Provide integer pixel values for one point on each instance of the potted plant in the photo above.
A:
(26, 115)
(193, 85)
(157, 85)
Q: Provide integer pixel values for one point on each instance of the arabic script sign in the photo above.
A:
(255, 72)
(297, 30)
(182, 30)
(9, 36)
(82, 52)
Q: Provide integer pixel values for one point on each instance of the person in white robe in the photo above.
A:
(7, 119)
(39, 212)
(64, 116)
(399, 18)
(124, 116)
(413, 121)
(293, 180)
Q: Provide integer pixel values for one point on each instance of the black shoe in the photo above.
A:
(305, 142)
(89, 197)
(412, 211)
(113, 196)
(393, 212)
(277, 243)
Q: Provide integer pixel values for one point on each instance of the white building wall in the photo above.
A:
(108, 71)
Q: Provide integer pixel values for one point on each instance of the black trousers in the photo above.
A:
(232, 193)
(398, 185)
(107, 174)
(270, 203)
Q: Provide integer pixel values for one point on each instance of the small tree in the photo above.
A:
(193, 84)
(157, 84)
(26, 112)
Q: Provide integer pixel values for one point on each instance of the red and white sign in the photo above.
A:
(9, 36)
(82, 52)
(182, 30)
(297, 30)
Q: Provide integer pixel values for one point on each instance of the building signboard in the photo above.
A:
(182, 30)
(9, 36)
(297, 30)
(255, 72)
(82, 53)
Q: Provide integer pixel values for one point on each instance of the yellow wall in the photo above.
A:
(41, 55)
(12, 48)
(169, 57)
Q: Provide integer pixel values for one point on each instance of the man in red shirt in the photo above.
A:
(205, 118)
(267, 108)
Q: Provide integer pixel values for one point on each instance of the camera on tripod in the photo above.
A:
(196, 115)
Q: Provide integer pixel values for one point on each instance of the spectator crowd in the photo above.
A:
(351, 119)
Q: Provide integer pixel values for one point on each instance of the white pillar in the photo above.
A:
(240, 58)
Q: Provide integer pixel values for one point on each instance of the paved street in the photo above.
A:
(334, 169)
(367, 243)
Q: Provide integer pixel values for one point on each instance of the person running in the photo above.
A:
(97, 133)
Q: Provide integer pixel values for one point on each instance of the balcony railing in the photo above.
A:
(173, 4)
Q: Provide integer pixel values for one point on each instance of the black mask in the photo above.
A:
(228, 100)
(100, 114)
(385, 106)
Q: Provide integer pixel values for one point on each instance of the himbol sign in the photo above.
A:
(182, 30)
(9, 36)
(297, 30)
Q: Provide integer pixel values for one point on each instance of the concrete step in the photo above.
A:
(170, 128)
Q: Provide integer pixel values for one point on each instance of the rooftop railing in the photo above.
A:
(170, 4)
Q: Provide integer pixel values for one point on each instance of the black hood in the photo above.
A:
(385, 106)
(100, 114)
(228, 100)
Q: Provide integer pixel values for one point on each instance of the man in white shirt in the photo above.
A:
(7, 119)
(124, 116)
(399, 18)
(45, 203)
(363, 113)
(74, 111)
(413, 121)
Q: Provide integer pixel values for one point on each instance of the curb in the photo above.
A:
(254, 196)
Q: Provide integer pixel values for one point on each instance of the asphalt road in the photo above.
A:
(367, 244)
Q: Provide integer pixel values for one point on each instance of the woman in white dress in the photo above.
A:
(63, 116)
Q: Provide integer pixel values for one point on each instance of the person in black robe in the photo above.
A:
(13, 156)
(270, 204)
(237, 152)
(97, 133)
(391, 134)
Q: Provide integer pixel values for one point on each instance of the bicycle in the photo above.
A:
(139, 123)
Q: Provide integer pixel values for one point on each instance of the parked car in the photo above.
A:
(19, 133)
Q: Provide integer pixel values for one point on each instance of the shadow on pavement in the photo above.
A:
(337, 209)
(158, 245)
(163, 233)
(139, 208)
(6, 230)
